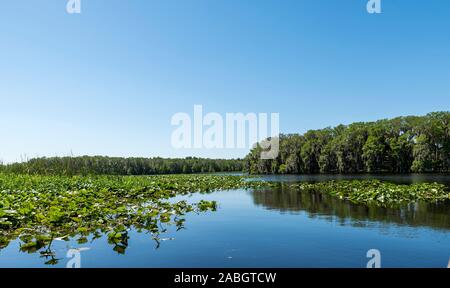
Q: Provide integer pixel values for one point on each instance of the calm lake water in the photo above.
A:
(276, 227)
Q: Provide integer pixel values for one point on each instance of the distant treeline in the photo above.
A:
(399, 145)
(99, 165)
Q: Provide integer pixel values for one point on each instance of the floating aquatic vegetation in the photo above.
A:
(379, 193)
(40, 209)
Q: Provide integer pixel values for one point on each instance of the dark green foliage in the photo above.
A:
(99, 165)
(400, 145)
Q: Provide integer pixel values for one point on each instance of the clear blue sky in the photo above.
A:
(108, 81)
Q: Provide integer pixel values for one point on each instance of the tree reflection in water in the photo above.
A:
(316, 204)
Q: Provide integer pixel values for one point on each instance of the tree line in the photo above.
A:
(400, 145)
(100, 165)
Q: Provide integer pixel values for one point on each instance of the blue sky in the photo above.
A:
(107, 81)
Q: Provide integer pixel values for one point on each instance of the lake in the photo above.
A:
(275, 227)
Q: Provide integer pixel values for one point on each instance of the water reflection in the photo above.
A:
(394, 178)
(155, 226)
(211, 238)
(316, 204)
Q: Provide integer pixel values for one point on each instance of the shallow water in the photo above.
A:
(275, 227)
